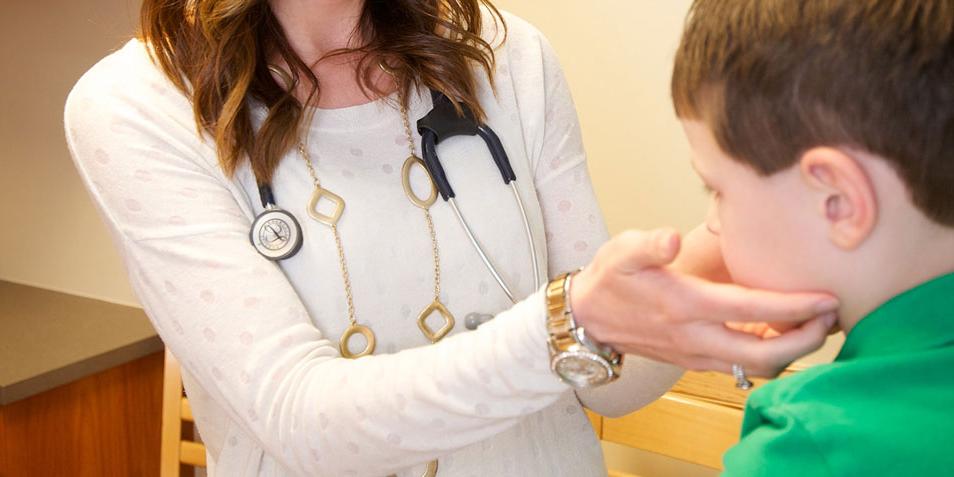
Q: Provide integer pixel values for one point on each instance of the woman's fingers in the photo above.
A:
(762, 357)
(778, 352)
(722, 302)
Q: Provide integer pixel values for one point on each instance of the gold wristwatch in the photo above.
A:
(577, 359)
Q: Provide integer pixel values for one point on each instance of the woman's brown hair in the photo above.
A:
(216, 52)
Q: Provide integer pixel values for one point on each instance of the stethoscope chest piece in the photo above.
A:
(275, 233)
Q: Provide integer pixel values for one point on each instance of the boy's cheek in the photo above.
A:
(742, 263)
(770, 238)
(755, 252)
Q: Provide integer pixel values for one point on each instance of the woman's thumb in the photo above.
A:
(638, 249)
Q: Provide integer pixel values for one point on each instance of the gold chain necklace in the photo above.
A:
(436, 306)
(331, 220)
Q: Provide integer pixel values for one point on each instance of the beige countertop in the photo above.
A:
(50, 338)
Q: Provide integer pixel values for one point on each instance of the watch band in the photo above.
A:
(569, 343)
(558, 320)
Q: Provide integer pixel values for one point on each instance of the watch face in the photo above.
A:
(581, 369)
(275, 234)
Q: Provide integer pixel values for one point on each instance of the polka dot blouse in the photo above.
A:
(258, 340)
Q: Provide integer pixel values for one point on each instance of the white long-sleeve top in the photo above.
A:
(258, 340)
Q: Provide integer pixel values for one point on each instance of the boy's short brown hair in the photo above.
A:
(774, 78)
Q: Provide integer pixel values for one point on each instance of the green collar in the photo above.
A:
(920, 318)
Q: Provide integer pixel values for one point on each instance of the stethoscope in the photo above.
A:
(277, 235)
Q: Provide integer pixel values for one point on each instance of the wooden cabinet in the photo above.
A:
(103, 425)
(80, 386)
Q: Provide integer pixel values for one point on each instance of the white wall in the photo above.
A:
(616, 53)
(53, 237)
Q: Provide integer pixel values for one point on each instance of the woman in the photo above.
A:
(174, 135)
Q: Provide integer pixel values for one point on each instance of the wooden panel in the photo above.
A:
(103, 425)
(719, 388)
(679, 427)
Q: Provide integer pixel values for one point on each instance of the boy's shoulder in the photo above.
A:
(879, 416)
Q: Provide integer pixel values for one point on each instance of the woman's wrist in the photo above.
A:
(580, 304)
(576, 357)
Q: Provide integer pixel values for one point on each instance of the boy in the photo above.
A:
(825, 131)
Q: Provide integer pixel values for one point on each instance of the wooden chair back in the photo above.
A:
(176, 450)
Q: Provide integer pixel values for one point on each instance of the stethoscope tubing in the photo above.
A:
(526, 227)
(442, 122)
(480, 250)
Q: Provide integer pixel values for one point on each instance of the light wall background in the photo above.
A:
(617, 56)
(54, 237)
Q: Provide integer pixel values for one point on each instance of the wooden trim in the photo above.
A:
(679, 427)
(718, 388)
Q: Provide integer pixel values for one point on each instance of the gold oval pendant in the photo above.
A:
(406, 180)
(346, 338)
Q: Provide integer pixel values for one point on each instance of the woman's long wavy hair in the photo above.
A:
(217, 51)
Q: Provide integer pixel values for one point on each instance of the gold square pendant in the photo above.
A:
(435, 306)
(327, 219)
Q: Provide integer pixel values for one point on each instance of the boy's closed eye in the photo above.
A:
(706, 185)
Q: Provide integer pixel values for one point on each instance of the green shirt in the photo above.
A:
(885, 406)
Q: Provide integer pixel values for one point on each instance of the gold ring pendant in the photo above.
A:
(431, 470)
(406, 180)
(348, 334)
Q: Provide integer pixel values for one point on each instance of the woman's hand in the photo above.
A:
(631, 298)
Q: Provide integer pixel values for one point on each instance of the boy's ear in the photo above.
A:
(845, 195)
